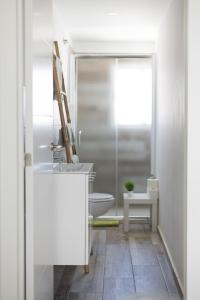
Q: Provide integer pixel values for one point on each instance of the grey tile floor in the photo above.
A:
(123, 267)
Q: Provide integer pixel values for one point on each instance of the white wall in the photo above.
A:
(66, 54)
(193, 176)
(11, 152)
(171, 133)
(65, 48)
(114, 47)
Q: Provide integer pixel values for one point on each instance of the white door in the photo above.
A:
(39, 135)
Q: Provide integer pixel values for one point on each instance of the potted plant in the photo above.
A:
(129, 186)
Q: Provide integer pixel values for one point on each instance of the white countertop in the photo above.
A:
(64, 168)
(79, 168)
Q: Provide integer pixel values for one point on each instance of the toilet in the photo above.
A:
(100, 203)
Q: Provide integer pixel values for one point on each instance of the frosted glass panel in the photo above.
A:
(95, 120)
(114, 114)
(133, 117)
(133, 92)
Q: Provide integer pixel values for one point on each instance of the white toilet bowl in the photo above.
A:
(100, 203)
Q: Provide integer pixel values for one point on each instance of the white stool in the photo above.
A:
(150, 199)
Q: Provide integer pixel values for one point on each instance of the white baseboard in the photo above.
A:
(171, 260)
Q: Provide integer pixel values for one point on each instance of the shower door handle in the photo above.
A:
(79, 138)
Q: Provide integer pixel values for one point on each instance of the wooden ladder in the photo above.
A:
(61, 97)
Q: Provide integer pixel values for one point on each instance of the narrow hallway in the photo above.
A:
(123, 266)
(83, 134)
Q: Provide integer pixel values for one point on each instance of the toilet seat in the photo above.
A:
(100, 203)
(100, 197)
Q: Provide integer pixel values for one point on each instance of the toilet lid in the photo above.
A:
(100, 196)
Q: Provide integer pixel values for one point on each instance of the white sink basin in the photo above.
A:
(59, 168)
(65, 168)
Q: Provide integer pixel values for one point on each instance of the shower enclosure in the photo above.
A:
(114, 121)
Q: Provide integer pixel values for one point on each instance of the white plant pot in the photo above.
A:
(130, 193)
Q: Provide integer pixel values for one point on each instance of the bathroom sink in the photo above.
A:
(64, 167)
(44, 168)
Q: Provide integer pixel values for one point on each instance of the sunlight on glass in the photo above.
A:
(133, 94)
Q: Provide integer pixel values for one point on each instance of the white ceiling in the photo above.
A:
(135, 20)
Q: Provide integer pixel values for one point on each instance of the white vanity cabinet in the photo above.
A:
(72, 218)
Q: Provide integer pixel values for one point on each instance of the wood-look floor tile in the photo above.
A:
(149, 280)
(163, 296)
(116, 236)
(118, 261)
(91, 282)
(114, 269)
(96, 285)
(58, 273)
(99, 242)
(136, 227)
(140, 234)
(144, 256)
(61, 297)
(175, 297)
(139, 241)
(147, 227)
(155, 239)
(118, 288)
(63, 276)
(120, 297)
(85, 296)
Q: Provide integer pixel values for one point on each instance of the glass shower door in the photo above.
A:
(114, 121)
(95, 125)
(133, 119)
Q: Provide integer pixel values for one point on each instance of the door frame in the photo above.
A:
(28, 148)
(73, 86)
(12, 163)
